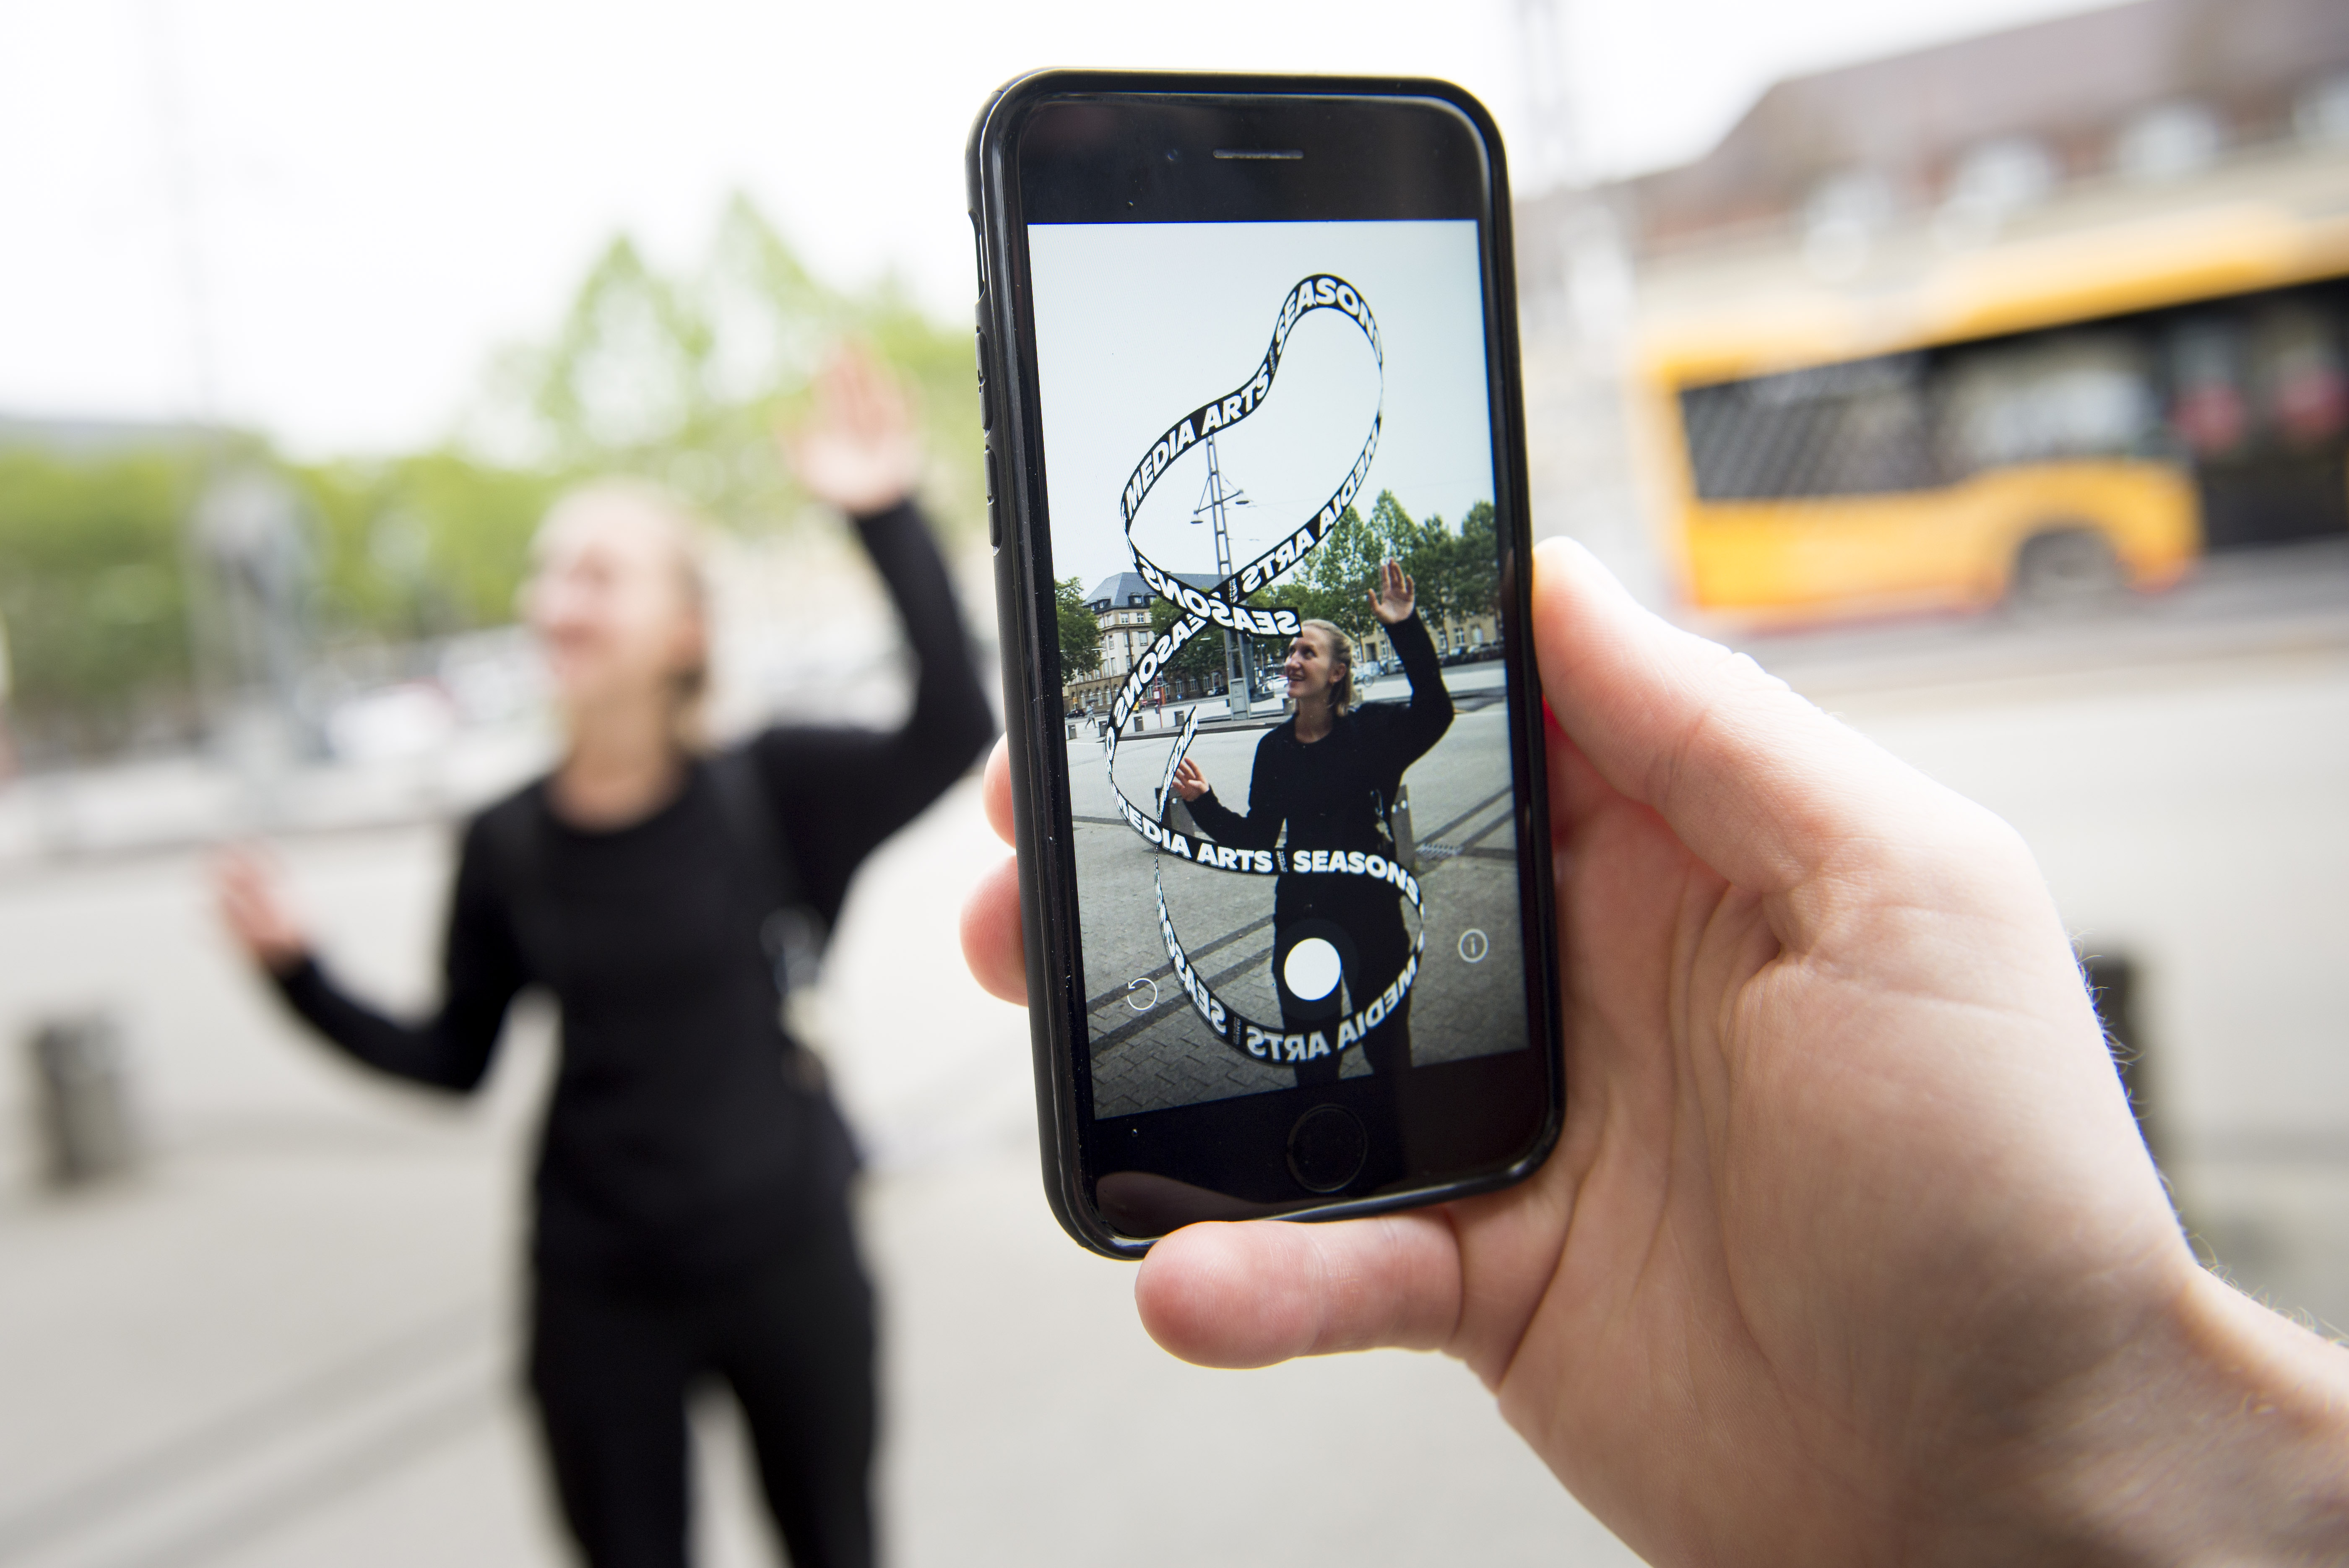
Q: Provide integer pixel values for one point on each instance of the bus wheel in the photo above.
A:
(2062, 568)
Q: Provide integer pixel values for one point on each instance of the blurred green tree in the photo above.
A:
(1454, 573)
(1319, 591)
(685, 378)
(1080, 630)
(1331, 585)
(94, 593)
(680, 377)
(1475, 572)
(1427, 552)
(1201, 658)
(420, 546)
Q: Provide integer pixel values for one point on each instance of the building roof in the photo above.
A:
(2068, 85)
(1128, 590)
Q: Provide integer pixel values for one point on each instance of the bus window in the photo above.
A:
(1854, 428)
(2302, 394)
(2207, 408)
(2046, 400)
(2258, 396)
(2047, 462)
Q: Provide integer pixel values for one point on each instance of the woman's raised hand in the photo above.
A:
(1189, 782)
(1394, 597)
(258, 913)
(859, 448)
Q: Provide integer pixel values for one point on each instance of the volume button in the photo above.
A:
(979, 355)
(994, 506)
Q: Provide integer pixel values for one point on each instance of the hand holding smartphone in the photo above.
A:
(1853, 1210)
(1249, 359)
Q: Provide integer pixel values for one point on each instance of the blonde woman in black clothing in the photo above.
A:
(693, 1215)
(1329, 776)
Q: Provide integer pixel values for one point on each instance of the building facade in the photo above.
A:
(1121, 607)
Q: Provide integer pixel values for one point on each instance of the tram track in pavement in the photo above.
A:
(1110, 1038)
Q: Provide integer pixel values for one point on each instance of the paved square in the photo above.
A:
(1149, 1050)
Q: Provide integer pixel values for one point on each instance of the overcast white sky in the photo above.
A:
(1138, 323)
(380, 192)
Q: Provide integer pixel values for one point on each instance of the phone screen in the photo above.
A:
(1289, 766)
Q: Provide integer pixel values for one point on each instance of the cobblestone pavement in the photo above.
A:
(1151, 1050)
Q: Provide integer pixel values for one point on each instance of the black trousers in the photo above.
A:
(611, 1370)
(1375, 953)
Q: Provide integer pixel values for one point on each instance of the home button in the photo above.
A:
(1327, 1147)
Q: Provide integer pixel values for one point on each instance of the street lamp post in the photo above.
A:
(1239, 655)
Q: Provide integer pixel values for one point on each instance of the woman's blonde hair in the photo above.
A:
(662, 513)
(1342, 647)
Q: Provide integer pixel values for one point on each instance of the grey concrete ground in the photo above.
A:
(2180, 766)
(291, 1340)
(1150, 1049)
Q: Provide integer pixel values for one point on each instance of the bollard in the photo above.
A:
(1405, 852)
(2113, 986)
(82, 1100)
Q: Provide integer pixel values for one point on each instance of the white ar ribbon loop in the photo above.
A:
(1222, 605)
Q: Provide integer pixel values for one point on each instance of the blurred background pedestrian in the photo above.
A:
(693, 1174)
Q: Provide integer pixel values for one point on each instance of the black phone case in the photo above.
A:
(1032, 698)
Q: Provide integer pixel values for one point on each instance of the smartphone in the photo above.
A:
(1256, 463)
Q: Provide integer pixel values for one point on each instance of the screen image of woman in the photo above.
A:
(1329, 776)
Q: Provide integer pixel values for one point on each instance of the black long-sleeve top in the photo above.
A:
(1331, 793)
(678, 1146)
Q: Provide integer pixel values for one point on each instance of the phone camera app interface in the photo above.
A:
(1270, 477)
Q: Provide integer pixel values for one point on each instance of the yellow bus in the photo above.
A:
(2040, 420)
